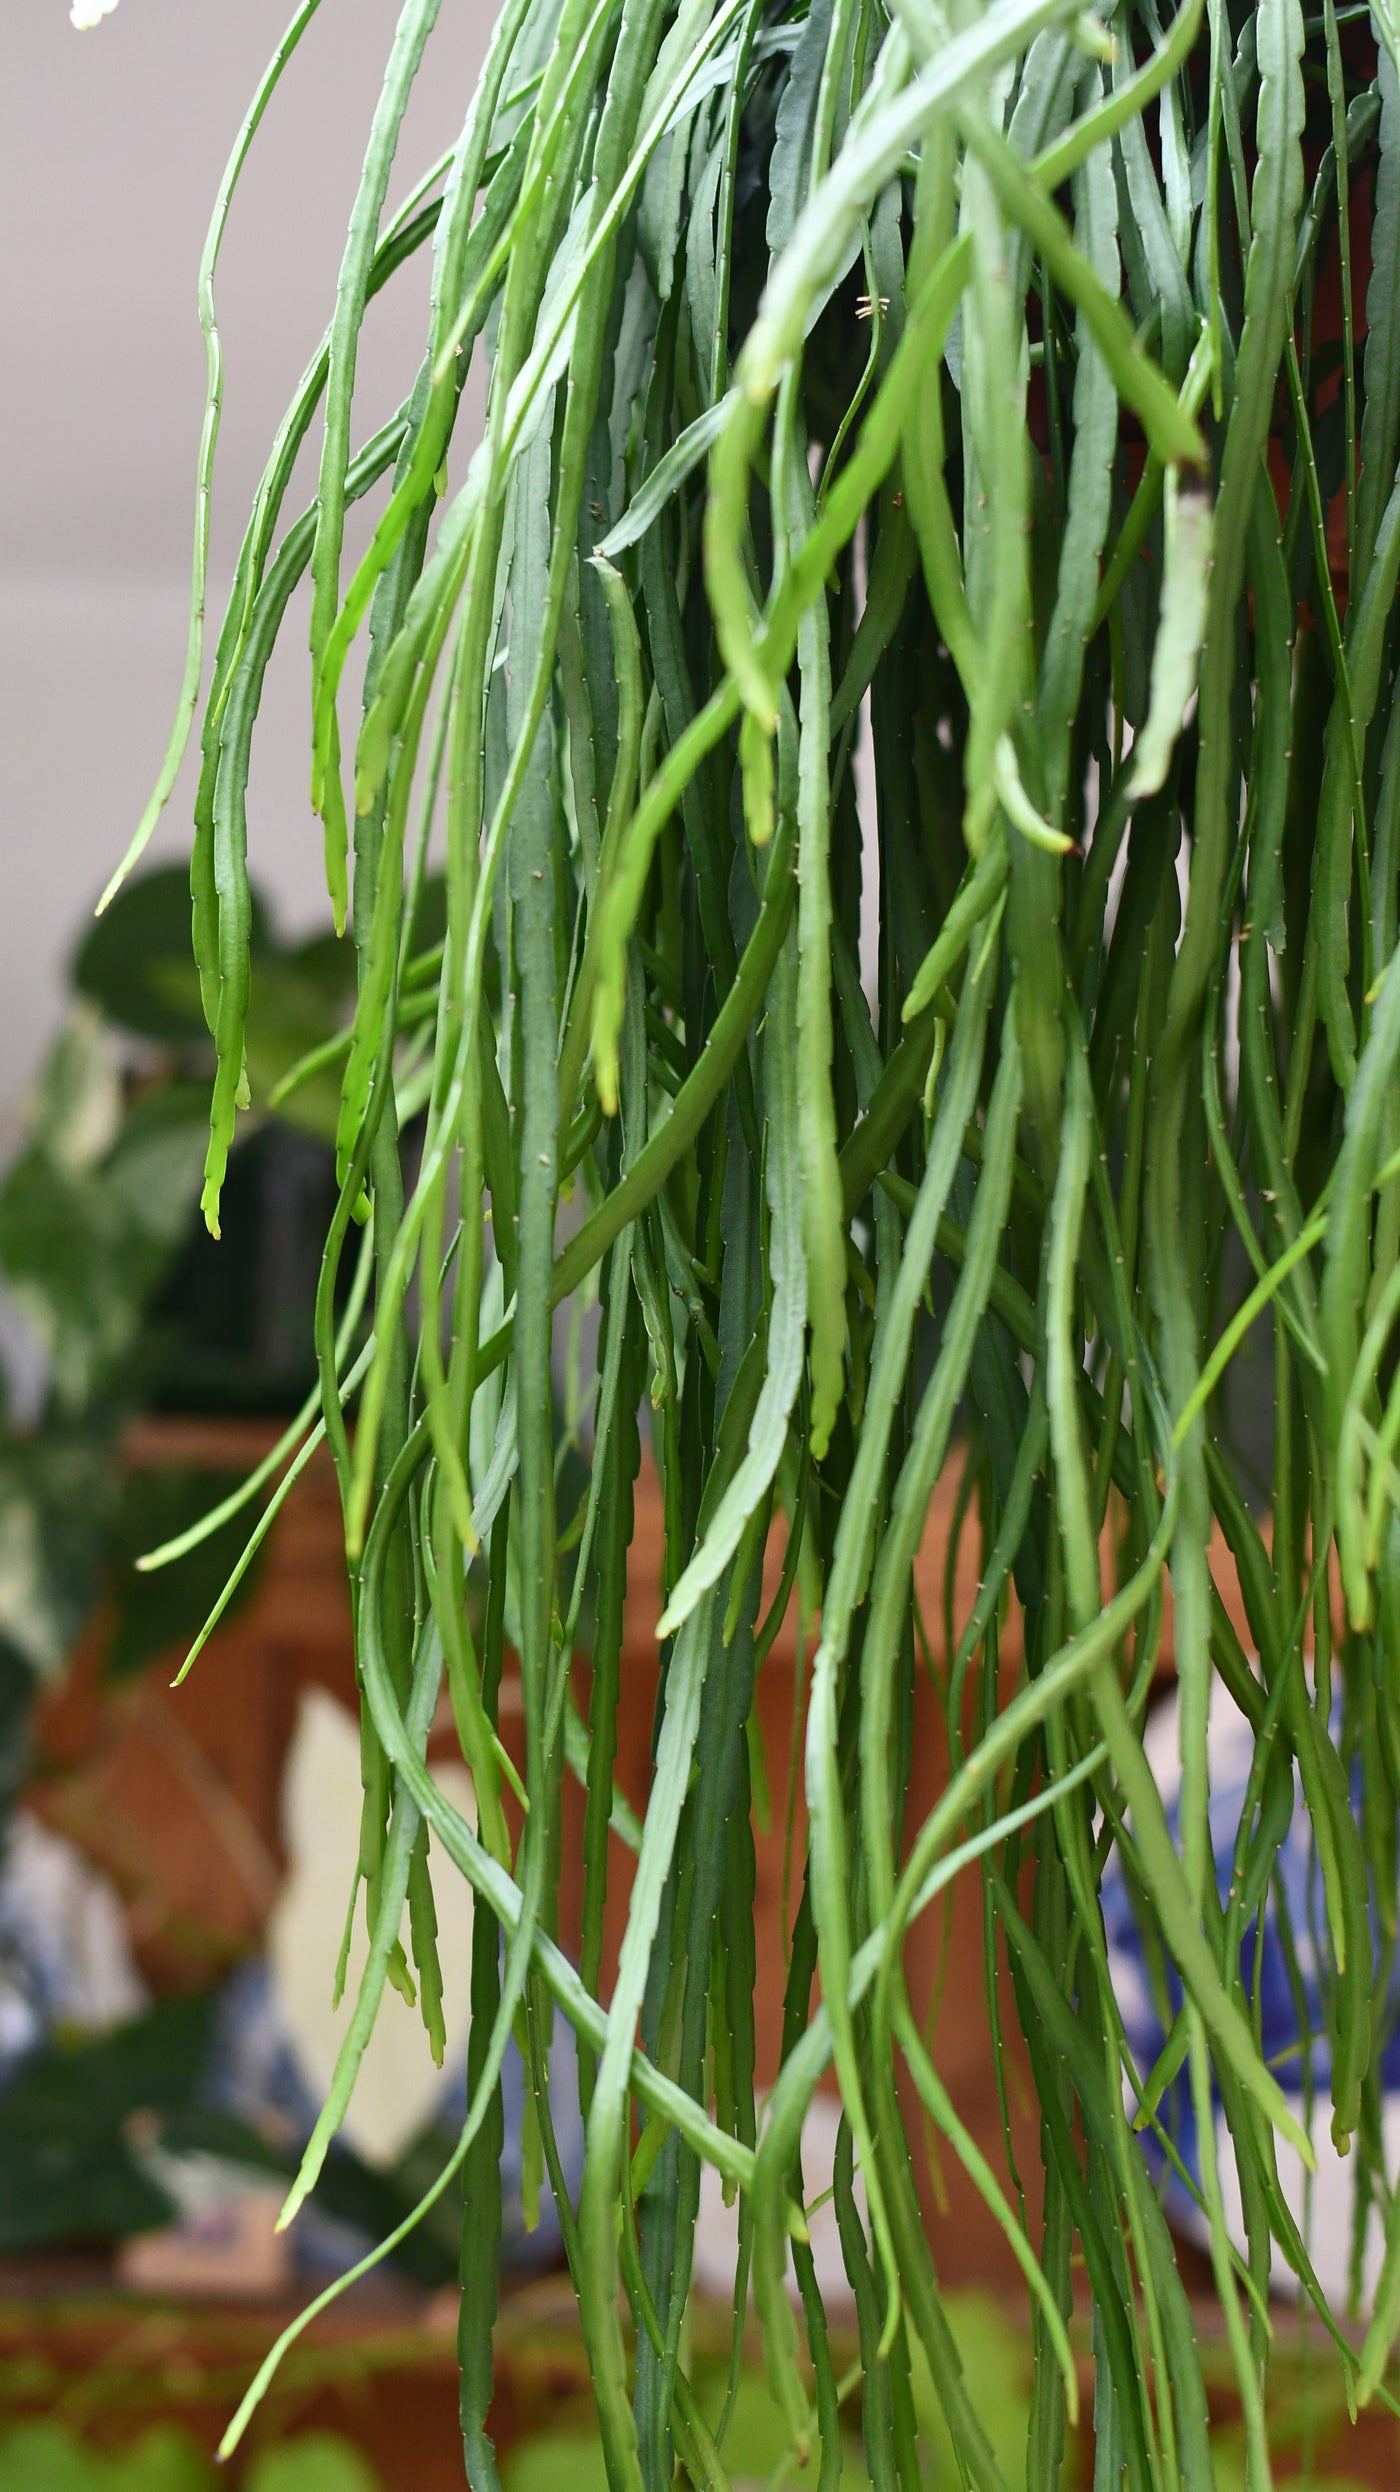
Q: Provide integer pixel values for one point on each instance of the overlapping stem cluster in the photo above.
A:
(981, 389)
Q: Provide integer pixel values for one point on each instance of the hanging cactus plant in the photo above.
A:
(902, 689)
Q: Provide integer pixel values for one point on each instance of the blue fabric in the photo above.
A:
(1291, 2044)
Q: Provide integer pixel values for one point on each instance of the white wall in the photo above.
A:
(112, 148)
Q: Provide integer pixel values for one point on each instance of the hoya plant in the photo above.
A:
(901, 687)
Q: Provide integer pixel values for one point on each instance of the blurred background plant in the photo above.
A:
(113, 1310)
(123, 1304)
(129, 1309)
(50, 2457)
(556, 2440)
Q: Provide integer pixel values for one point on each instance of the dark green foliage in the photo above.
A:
(68, 2169)
(155, 1613)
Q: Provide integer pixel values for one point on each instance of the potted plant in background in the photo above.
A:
(110, 2108)
(107, 1272)
(106, 1268)
(901, 692)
